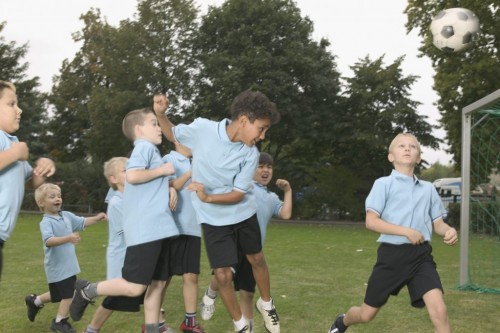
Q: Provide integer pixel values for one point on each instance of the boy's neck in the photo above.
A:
(232, 131)
(405, 169)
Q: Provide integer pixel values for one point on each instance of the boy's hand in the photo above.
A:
(74, 238)
(283, 184)
(44, 167)
(168, 169)
(21, 150)
(199, 188)
(173, 199)
(415, 237)
(450, 236)
(101, 216)
(160, 104)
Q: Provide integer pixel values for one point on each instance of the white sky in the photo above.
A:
(355, 28)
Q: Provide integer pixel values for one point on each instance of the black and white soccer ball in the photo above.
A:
(454, 29)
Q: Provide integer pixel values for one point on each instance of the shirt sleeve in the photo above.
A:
(376, 199)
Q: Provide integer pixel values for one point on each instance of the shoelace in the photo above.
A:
(274, 316)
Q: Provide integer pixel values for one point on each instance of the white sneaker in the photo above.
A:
(271, 319)
(207, 307)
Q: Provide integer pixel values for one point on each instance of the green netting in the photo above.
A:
(484, 213)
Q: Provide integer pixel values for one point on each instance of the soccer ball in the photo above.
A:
(453, 29)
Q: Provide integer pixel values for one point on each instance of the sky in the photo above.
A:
(355, 29)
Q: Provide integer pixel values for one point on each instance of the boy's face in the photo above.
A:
(10, 113)
(406, 151)
(119, 176)
(254, 132)
(51, 203)
(263, 173)
(150, 130)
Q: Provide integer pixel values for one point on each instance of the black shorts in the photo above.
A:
(63, 289)
(147, 262)
(223, 242)
(186, 252)
(122, 303)
(243, 278)
(402, 265)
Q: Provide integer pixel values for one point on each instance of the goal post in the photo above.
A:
(480, 161)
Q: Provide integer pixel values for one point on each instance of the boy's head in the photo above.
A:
(183, 150)
(264, 171)
(404, 149)
(142, 124)
(48, 198)
(114, 171)
(254, 105)
(10, 113)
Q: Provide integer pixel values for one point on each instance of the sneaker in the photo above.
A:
(187, 329)
(32, 308)
(335, 326)
(63, 326)
(207, 307)
(245, 329)
(271, 319)
(79, 303)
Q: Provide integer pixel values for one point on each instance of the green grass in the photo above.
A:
(317, 271)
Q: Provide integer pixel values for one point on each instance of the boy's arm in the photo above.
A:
(18, 151)
(160, 105)
(376, 224)
(56, 241)
(44, 168)
(139, 176)
(94, 219)
(228, 198)
(178, 183)
(448, 233)
(286, 209)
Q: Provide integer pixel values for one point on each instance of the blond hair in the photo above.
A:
(6, 85)
(41, 192)
(110, 169)
(132, 119)
(393, 142)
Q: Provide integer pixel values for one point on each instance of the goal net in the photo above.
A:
(480, 208)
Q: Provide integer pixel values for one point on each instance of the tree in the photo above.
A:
(461, 78)
(31, 100)
(438, 170)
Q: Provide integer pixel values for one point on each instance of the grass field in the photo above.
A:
(317, 271)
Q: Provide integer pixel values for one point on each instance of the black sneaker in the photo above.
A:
(338, 324)
(63, 326)
(32, 308)
(80, 302)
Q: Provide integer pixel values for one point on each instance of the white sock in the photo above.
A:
(211, 293)
(266, 305)
(59, 318)
(38, 301)
(240, 323)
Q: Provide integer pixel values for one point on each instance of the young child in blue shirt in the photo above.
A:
(268, 205)
(404, 210)
(148, 225)
(60, 235)
(187, 247)
(15, 171)
(224, 162)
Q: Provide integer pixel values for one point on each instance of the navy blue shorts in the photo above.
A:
(223, 242)
(402, 265)
(122, 303)
(63, 289)
(186, 253)
(147, 262)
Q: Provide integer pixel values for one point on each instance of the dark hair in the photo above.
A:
(255, 105)
(132, 119)
(266, 158)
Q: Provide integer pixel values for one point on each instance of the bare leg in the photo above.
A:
(438, 313)
(261, 274)
(224, 277)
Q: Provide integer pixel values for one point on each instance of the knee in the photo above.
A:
(223, 276)
(439, 313)
(135, 290)
(257, 259)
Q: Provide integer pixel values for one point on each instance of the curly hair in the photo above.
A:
(254, 105)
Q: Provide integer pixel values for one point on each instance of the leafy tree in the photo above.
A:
(461, 78)
(438, 170)
(31, 100)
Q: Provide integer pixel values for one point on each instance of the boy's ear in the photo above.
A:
(390, 157)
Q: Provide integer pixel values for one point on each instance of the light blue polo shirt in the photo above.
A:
(268, 205)
(221, 166)
(115, 252)
(405, 201)
(60, 261)
(147, 216)
(12, 181)
(184, 214)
